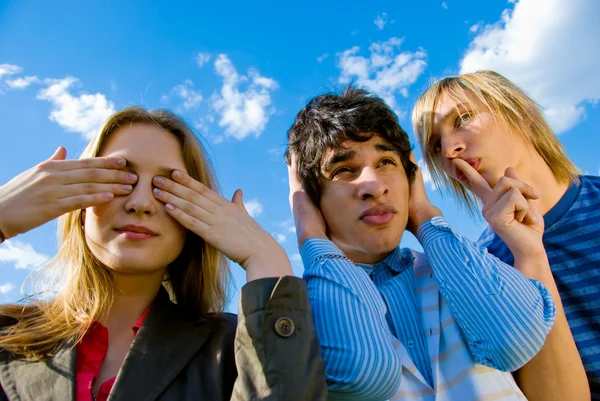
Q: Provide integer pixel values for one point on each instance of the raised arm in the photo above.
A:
(503, 315)
(57, 186)
(349, 313)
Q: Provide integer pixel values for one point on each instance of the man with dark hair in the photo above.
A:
(395, 323)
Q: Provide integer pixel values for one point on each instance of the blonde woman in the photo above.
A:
(482, 137)
(144, 236)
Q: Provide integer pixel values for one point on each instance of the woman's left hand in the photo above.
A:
(223, 224)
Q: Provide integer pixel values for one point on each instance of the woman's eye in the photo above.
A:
(463, 118)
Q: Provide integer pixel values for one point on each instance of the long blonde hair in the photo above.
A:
(196, 280)
(510, 107)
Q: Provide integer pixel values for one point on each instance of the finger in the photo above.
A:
(185, 193)
(238, 199)
(512, 204)
(191, 223)
(112, 162)
(65, 191)
(534, 216)
(477, 183)
(186, 180)
(527, 190)
(184, 205)
(84, 201)
(505, 184)
(59, 154)
(97, 175)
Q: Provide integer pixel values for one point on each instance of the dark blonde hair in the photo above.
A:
(196, 280)
(510, 107)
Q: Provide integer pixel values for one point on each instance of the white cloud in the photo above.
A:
(22, 82)
(253, 207)
(281, 238)
(548, 48)
(242, 113)
(191, 98)
(9, 69)
(387, 71)
(83, 114)
(295, 257)
(323, 57)
(288, 226)
(202, 58)
(445, 5)
(6, 288)
(381, 20)
(426, 174)
(476, 27)
(21, 254)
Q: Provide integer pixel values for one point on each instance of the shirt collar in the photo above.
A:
(397, 261)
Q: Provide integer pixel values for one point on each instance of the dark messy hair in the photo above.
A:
(329, 120)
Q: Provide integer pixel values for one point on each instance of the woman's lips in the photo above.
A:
(473, 163)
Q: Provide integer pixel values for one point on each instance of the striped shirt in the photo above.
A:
(572, 242)
(446, 326)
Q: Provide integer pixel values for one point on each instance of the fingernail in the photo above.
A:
(121, 162)
(107, 195)
(127, 187)
(157, 191)
(177, 174)
(536, 193)
(159, 180)
(131, 177)
(169, 206)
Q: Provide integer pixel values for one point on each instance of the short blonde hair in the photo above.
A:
(510, 107)
(196, 280)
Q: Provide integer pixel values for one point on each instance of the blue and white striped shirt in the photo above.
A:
(572, 242)
(442, 327)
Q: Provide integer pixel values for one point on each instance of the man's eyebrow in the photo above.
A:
(385, 147)
(338, 157)
(162, 170)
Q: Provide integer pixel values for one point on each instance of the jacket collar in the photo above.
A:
(165, 343)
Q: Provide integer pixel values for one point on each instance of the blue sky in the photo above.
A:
(240, 71)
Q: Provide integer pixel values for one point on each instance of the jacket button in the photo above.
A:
(284, 327)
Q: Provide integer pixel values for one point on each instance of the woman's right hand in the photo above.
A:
(57, 186)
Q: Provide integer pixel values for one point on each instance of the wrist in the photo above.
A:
(268, 264)
(423, 216)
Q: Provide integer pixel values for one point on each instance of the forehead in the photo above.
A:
(452, 102)
(355, 148)
(145, 145)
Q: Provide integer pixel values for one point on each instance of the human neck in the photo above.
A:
(535, 172)
(133, 296)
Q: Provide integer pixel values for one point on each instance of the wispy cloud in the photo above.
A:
(254, 207)
(190, 98)
(323, 57)
(83, 113)
(476, 27)
(544, 47)
(9, 69)
(6, 288)
(21, 254)
(445, 5)
(426, 174)
(22, 82)
(202, 58)
(381, 20)
(242, 113)
(387, 70)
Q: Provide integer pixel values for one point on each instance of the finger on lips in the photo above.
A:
(478, 184)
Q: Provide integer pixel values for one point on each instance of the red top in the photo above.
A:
(90, 353)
